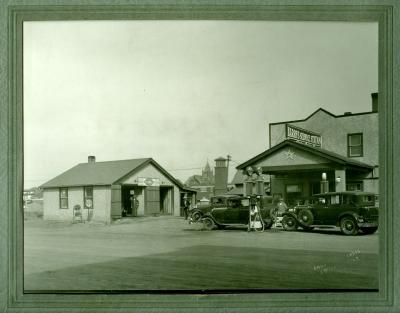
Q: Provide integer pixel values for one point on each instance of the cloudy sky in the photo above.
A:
(182, 92)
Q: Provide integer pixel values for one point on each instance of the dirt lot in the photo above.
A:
(158, 253)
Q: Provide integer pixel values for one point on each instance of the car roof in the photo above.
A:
(227, 196)
(356, 193)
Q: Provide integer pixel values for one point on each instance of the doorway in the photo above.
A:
(130, 200)
(166, 200)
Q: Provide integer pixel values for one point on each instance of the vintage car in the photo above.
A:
(231, 210)
(352, 211)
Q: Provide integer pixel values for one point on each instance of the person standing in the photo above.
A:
(186, 205)
(281, 207)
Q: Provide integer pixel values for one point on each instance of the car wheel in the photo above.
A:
(196, 216)
(305, 217)
(369, 230)
(348, 226)
(208, 223)
(289, 223)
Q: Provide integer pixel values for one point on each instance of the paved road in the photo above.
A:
(55, 253)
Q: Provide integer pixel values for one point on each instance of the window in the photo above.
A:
(293, 188)
(354, 186)
(335, 199)
(234, 203)
(63, 198)
(322, 201)
(88, 197)
(355, 145)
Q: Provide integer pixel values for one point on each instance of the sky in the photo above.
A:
(183, 92)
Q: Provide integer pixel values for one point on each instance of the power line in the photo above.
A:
(185, 169)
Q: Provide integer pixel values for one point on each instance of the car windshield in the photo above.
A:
(234, 203)
(218, 200)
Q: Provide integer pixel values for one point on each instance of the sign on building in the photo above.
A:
(303, 136)
(147, 181)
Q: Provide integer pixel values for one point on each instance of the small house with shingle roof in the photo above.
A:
(113, 189)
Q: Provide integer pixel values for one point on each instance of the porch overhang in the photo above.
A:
(324, 161)
(274, 170)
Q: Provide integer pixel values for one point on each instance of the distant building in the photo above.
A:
(323, 152)
(104, 189)
(204, 184)
(32, 193)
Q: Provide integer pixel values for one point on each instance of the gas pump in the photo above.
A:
(255, 220)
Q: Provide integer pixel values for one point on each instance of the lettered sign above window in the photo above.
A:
(303, 136)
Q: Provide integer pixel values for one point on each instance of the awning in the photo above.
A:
(310, 159)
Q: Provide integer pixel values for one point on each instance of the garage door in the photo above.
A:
(152, 204)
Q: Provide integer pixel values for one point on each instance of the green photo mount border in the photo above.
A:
(13, 13)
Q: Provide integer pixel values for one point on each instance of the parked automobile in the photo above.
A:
(352, 211)
(231, 210)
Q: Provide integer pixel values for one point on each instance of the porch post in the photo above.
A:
(340, 180)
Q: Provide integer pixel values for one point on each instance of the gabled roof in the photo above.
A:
(238, 178)
(329, 155)
(103, 173)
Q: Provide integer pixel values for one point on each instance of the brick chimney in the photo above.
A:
(91, 159)
(374, 97)
(221, 176)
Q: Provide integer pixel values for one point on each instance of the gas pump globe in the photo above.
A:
(260, 182)
(253, 177)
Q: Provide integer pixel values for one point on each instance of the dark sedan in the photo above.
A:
(352, 211)
(231, 210)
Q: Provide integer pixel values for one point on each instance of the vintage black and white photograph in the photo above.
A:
(200, 156)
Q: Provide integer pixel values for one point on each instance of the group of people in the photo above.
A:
(133, 206)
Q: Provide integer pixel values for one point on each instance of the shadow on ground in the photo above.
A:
(217, 267)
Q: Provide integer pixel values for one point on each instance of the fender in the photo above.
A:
(351, 213)
(208, 214)
(292, 214)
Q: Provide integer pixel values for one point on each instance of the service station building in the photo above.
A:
(323, 152)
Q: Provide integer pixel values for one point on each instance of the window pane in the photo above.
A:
(63, 193)
(355, 140)
(64, 203)
(88, 192)
(354, 151)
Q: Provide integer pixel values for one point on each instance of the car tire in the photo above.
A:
(196, 216)
(289, 223)
(369, 230)
(208, 223)
(305, 217)
(348, 226)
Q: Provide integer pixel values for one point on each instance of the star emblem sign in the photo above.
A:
(289, 154)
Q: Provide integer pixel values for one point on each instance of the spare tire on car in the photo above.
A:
(208, 223)
(289, 223)
(196, 216)
(305, 217)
